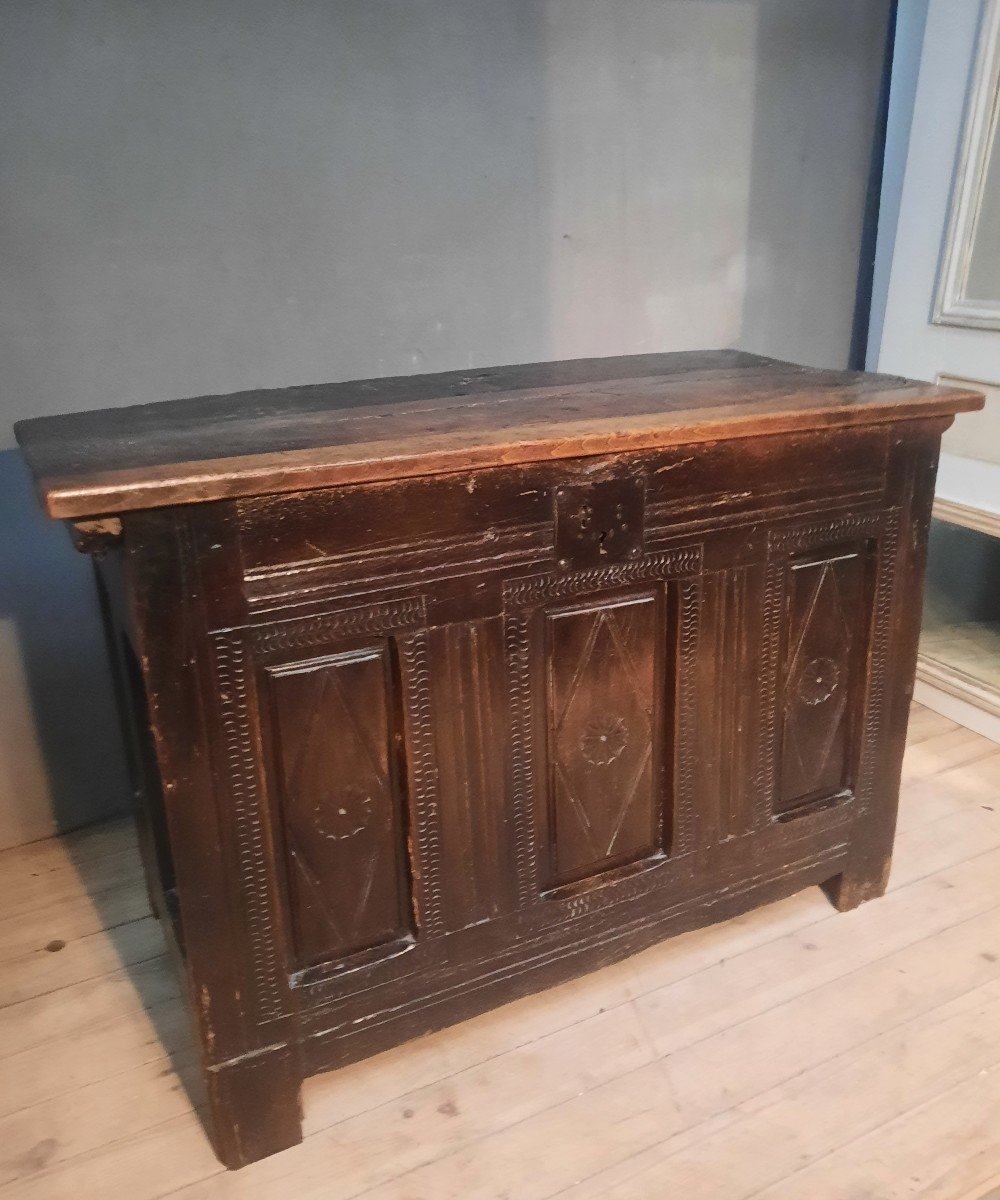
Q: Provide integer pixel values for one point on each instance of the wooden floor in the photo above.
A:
(791, 1054)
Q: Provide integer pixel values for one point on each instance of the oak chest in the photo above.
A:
(441, 689)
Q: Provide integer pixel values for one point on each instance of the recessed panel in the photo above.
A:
(341, 811)
(828, 629)
(604, 806)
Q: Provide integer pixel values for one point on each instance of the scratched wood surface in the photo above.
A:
(790, 1052)
(282, 440)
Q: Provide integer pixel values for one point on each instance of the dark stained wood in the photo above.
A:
(415, 745)
(827, 641)
(341, 817)
(471, 752)
(253, 443)
(604, 705)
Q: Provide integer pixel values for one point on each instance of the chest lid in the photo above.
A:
(282, 440)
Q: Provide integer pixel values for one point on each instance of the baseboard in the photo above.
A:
(958, 696)
(979, 519)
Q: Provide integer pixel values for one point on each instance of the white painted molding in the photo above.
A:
(958, 696)
(978, 519)
(958, 683)
(956, 709)
(951, 305)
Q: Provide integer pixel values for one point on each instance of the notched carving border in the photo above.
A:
(304, 633)
(687, 716)
(685, 560)
(883, 525)
(521, 596)
(229, 654)
(417, 702)
(230, 649)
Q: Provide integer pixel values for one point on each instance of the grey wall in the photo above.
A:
(205, 195)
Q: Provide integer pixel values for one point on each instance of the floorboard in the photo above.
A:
(791, 1052)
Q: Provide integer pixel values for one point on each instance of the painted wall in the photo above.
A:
(909, 342)
(911, 238)
(207, 195)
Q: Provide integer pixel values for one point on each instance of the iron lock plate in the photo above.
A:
(599, 522)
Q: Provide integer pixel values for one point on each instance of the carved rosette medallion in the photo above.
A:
(819, 680)
(603, 740)
(348, 815)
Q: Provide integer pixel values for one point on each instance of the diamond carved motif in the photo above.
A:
(340, 814)
(602, 737)
(824, 616)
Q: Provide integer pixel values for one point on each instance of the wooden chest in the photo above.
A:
(439, 690)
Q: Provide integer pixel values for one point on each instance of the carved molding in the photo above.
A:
(767, 749)
(244, 792)
(795, 538)
(684, 560)
(685, 806)
(417, 702)
(517, 645)
(305, 633)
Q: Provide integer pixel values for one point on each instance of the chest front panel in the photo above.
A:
(485, 705)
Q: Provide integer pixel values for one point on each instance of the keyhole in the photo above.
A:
(602, 538)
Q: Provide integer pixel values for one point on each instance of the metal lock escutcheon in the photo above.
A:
(599, 522)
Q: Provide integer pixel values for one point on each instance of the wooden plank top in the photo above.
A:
(255, 443)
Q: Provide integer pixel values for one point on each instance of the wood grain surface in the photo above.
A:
(254, 443)
(511, 682)
(787, 1053)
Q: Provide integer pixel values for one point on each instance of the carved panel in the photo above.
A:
(604, 805)
(346, 743)
(827, 605)
(341, 807)
(556, 788)
(827, 637)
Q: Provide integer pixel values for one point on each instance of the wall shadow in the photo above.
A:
(47, 595)
(259, 195)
